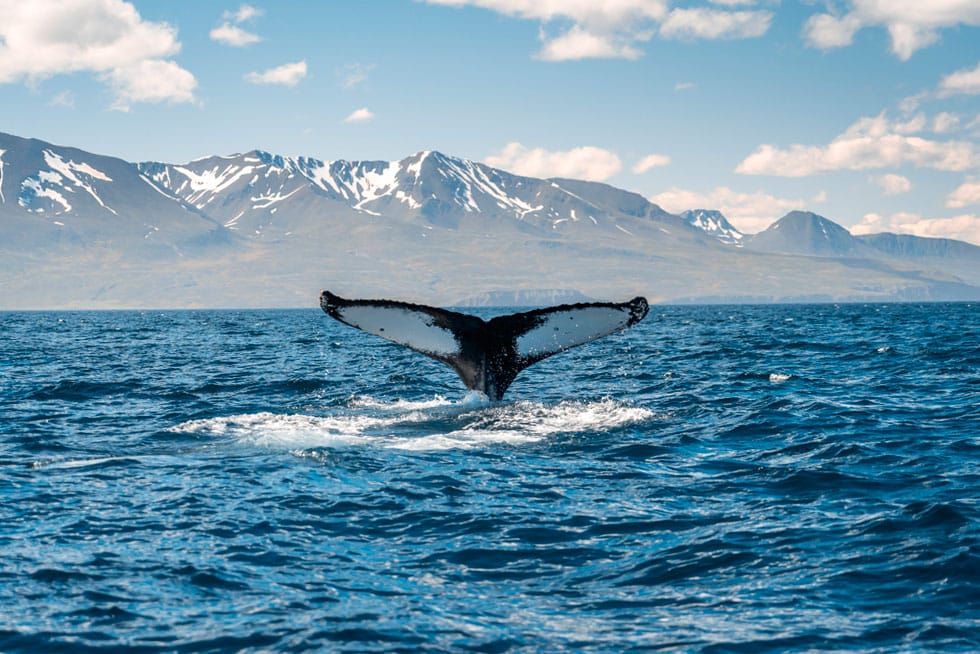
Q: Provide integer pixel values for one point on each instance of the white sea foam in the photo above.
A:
(471, 399)
(436, 424)
(67, 464)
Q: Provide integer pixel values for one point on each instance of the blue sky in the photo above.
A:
(865, 111)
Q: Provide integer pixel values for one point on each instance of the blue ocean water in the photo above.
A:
(716, 479)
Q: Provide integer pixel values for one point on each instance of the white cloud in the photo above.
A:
(230, 32)
(749, 212)
(650, 161)
(962, 82)
(44, 38)
(825, 31)
(614, 28)
(966, 194)
(233, 35)
(868, 143)
(244, 14)
(894, 184)
(286, 75)
(587, 162)
(578, 43)
(945, 122)
(706, 23)
(965, 227)
(911, 103)
(911, 24)
(151, 81)
(684, 86)
(871, 223)
(361, 115)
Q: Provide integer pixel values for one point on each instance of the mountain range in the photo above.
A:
(82, 230)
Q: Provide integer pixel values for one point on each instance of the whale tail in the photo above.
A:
(487, 355)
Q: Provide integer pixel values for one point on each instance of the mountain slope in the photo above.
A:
(52, 197)
(803, 232)
(257, 229)
(243, 192)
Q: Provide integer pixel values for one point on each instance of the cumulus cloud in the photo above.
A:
(578, 43)
(945, 122)
(361, 115)
(704, 23)
(650, 161)
(967, 194)
(965, 227)
(231, 33)
(962, 82)
(587, 162)
(286, 75)
(243, 14)
(749, 212)
(869, 143)
(911, 25)
(825, 31)
(151, 80)
(580, 29)
(893, 184)
(44, 38)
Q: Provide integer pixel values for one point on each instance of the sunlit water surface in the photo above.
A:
(780, 478)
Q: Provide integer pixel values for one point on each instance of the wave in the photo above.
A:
(435, 424)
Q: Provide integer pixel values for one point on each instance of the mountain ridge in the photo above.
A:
(261, 229)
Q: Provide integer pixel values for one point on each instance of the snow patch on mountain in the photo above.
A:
(267, 200)
(69, 168)
(375, 183)
(156, 188)
(75, 173)
(61, 177)
(34, 189)
(714, 223)
(205, 186)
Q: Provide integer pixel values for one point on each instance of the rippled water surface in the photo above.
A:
(716, 479)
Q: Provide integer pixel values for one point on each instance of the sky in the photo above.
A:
(863, 111)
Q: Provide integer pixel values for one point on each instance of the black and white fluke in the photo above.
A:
(487, 354)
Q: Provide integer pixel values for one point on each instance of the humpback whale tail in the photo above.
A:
(487, 355)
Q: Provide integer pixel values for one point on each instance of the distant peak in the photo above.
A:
(803, 215)
(713, 222)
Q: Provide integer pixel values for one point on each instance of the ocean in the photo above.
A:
(715, 479)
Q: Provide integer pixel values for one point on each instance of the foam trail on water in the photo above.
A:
(435, 424)
(471, 399)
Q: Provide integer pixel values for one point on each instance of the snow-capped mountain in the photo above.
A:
(244, 192)
(712, 222)
(259, 229)
(51, 195)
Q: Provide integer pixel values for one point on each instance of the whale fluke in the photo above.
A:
(487, 354)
